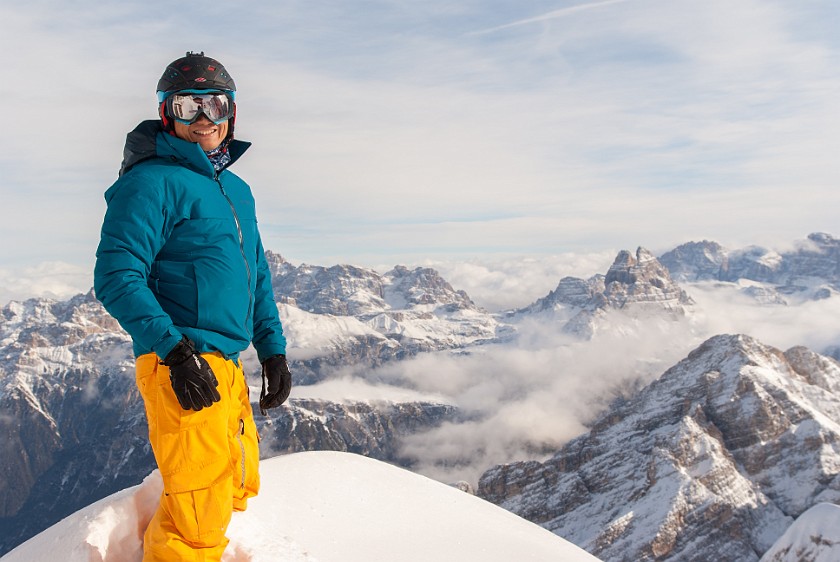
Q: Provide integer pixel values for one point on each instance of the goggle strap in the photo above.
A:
(167, 124)
(161, 96)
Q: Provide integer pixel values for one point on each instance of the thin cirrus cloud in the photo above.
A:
(554, 14)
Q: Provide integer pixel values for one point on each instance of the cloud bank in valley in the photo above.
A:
(525, 399)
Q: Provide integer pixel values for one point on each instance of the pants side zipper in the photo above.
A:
(242, 449)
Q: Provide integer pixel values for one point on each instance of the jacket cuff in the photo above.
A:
(265, 351)
(167, 343)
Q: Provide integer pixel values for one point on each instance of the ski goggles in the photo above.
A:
(186, 107)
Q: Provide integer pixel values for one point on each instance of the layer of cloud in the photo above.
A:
(349, 389)
(58, 280)
(517, 281)
(525, 399)
(726, 309)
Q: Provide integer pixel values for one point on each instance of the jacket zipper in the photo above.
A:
(242, 449)
(241, 250)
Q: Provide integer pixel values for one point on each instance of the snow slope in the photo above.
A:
(324, 507)
(813, 537)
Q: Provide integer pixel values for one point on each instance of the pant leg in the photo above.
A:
(200, 456)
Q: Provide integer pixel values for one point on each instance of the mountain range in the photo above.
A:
(70, 405)
(810, 270)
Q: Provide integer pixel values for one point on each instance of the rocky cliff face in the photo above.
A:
(66, 381)
(712, 461)
(634, 284)
(373, 429)
(642, 281)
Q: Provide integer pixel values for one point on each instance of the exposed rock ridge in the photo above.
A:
(700, 465)
(643, 281)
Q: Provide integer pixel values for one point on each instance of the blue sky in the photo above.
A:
(393, 132)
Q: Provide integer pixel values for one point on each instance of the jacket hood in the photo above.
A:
(148, 140)
(140, 144)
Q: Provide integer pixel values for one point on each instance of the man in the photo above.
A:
(181, 266)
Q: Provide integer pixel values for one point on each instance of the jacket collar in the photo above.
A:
(149, 140)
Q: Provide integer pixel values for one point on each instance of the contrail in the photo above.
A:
(549, 16)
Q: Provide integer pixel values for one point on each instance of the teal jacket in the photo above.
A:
(180, 253)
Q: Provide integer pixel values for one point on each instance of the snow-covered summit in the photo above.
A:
(347, 290)
(809, 269)
(320, 507)
(712, 461)
(344, 314)
(636, 285)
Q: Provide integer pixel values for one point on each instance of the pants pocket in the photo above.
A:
(201, 516)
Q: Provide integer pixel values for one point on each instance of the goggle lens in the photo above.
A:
(186, 108)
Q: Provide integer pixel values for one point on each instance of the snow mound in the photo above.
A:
(319, 507)
(813, 537)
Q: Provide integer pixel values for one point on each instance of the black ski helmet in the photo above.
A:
(194, 72)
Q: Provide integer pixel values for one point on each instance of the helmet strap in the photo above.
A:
(231, 121)
(167, 123)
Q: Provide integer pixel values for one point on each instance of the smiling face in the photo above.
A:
(202, 131)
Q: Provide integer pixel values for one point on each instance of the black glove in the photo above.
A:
(276, 371)
(192, 378)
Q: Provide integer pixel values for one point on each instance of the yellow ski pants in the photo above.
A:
(209, 462)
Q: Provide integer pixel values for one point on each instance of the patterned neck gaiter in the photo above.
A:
(219, 156)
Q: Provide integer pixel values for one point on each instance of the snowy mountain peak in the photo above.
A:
(714, 459)
(695, 260)
(812, 261)
(276, 263)
(625, 267)
(824, 239)
(346, 290)
(635, 284)
(423, 286)
(642, 280)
